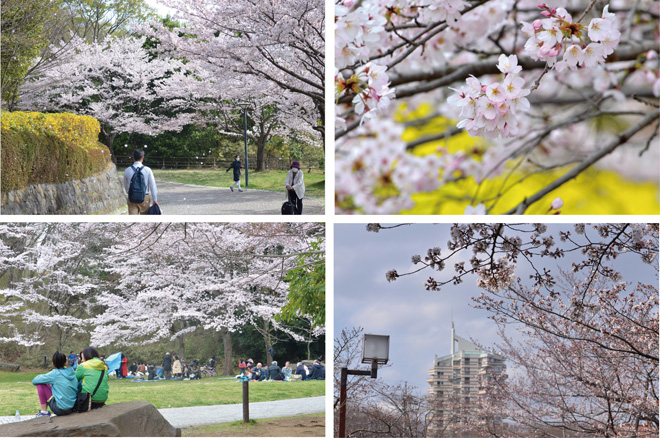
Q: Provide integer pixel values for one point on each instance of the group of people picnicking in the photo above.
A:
(140, 185)
(87, 372)
(260, 373)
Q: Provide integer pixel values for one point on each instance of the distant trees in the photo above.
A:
(375, 408)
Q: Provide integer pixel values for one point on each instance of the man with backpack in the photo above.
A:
(140, 185)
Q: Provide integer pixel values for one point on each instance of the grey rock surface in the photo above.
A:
(120, 419)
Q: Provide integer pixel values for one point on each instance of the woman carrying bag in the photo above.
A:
(92, 371)
(295, 187)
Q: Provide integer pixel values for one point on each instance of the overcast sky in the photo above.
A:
(418, 322)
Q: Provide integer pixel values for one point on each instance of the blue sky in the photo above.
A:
(418, 322)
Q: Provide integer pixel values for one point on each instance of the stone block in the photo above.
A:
(138, 418)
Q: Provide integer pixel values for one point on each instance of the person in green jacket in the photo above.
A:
(58, 389)
(90, 370)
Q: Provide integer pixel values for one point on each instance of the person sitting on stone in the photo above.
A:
(57, 390)
(89, 372)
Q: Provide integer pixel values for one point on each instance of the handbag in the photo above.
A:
(154, 209)
(84, 399)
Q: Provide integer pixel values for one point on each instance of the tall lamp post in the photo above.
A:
(244, 106)
(375, 350)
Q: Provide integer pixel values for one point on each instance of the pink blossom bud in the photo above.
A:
(348, 3)
(545, 13)
(537, 24)
(543, 6)
(556, 204)
(553, 11)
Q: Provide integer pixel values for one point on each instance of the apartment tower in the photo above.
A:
(458, 380)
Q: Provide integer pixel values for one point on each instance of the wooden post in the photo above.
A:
(246, 401)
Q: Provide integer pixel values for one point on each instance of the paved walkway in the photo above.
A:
(199, 415)
(178, 199)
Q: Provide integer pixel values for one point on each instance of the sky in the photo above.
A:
(418, 321)
(160, 9)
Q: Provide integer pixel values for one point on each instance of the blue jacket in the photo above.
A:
(63, 384)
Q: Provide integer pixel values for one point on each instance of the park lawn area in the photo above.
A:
(18, 393)
(272, 180)
(300, 425)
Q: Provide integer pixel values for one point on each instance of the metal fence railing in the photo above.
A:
(272, 163)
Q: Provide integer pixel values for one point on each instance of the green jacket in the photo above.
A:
(89, 372)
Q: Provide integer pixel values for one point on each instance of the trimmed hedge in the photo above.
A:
(49, 148)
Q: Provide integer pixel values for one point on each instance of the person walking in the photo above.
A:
(143, 186)
(295, 186)
(236, 165)
(167, 366)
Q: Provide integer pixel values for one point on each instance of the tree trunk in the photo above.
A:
(268, 342)
(226, 342)
(181, 348)
(261, 162)
(109, 140)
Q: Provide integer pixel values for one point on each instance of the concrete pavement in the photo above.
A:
(200, 415)
(179, 199)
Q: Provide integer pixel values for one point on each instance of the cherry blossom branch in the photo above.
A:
(574, 172)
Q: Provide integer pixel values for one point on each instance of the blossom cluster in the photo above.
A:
(357, 33)
(369, 86)
(491, 109)
(376, 175)
(557, 34)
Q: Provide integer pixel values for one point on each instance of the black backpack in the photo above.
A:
(138, 188)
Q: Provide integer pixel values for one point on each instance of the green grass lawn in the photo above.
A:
(17, 392)
(272, 180)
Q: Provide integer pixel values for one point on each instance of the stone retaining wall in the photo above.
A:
(97, 194)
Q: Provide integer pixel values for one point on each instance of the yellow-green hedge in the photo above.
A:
(49, 148)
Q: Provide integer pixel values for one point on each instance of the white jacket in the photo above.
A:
(296, 182)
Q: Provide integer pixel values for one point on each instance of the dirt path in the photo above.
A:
(304, 425)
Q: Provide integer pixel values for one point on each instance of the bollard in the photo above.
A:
(45, 363)
(246, 401)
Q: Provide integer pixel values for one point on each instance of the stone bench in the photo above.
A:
(136, 418)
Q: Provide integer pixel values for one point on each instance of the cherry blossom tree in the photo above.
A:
(216, 276)
(589, 357)
(49, 280)
(131, 284)
(121, 84)
(256, 44)
(467, 100)
(270, 113)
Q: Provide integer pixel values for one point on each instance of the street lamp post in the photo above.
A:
(375, 350)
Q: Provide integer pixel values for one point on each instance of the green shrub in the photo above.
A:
(49, 148)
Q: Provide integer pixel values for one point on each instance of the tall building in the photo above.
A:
(458, 380)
